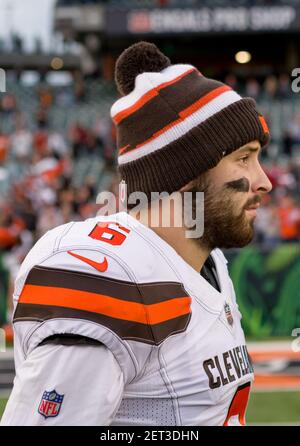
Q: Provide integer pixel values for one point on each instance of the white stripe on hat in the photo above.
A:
(211, 108)
(143, 84)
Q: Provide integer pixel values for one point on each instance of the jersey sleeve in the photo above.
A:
(64, 294)
(65, 385)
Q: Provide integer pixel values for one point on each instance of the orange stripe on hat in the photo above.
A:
(147, 97)
(264, 124)
(183, 114)
(106, 305)
(203, 101)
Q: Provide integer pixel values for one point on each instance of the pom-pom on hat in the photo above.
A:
(173, 123)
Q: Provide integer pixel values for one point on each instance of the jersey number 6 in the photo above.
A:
(110, 232)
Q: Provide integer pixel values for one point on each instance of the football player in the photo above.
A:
(119, 322)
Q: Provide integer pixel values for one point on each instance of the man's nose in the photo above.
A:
(261, 182)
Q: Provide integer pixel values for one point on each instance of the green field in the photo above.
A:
(2, 406)
(274, 407)
(264, 408)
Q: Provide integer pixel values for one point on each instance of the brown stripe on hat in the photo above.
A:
(148, 96)
(150, 334)
(147, 293)
(163, 109)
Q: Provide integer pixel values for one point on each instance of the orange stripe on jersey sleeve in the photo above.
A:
(106, 305)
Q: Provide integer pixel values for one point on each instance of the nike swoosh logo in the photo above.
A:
(99, 266)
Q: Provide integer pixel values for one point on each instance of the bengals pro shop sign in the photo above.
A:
(158, 21)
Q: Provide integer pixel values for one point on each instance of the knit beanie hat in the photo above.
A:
(173, 123)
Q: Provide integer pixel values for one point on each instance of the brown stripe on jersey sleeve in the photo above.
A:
(147, 310)
(127, 330)
(154, 292)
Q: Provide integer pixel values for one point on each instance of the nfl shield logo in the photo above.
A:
(50, 404)
(228, 313)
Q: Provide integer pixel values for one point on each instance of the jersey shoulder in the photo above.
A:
(100, 279)
(109, 245)
(120, 237)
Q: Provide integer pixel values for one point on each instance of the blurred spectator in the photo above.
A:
(252, 88)
(45, 97)
(21, 143)
(8, 104)
(274, 172)
(267, 223)
(294, 168)
(41, 118)
(284, 86)
(49, 218)
(4, 145)
(64, 98)
(79, 87)
(92, 143)
(11, 226)
(289, 219)
(102, 129)
(78, 138)
(270, 87)
(291, 137)
(57, 144)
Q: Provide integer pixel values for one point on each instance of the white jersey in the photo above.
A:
(169, 348)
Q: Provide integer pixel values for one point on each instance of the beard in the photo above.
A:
(225, 226)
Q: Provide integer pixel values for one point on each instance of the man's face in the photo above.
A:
(232, 192)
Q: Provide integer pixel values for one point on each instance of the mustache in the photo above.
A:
(253, 201)
(243, 185)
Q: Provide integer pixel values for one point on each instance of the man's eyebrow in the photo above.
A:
(249, 149)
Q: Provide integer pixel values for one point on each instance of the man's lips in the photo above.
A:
(253, 206)
(251, 210)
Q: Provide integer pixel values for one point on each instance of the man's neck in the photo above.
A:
(188, 248)
(191, 252)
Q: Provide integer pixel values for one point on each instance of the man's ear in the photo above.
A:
(186, 187)
(183, 189)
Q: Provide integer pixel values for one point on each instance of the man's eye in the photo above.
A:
(244, 159)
